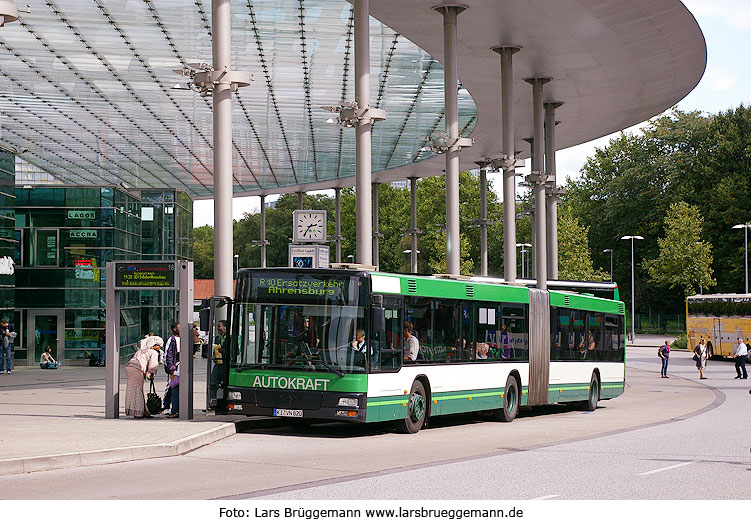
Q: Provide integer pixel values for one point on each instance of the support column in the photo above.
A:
(450, 75)
(533, 163)
(376, 233)
(509, 171)
(300, 204)
(263, 231)
(222, 100)
(413, 231)
(363, 177)
(538, 178)
(552, 198)
(338, 224)
(484, 222)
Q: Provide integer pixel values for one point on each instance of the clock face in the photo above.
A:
(310, 225)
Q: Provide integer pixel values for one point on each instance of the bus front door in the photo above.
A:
(218, 353)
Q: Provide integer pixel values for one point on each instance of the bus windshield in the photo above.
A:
(301, 321)
(302, 337)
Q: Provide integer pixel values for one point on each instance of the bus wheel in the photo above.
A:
(594, 395)
(510, 402)
(417, 408)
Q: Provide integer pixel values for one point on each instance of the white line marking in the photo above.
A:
(666, 468)
(550, 496)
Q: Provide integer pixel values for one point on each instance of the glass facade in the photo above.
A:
(7, 237)
(65, 237)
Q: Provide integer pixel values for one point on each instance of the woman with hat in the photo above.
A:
(143, 365)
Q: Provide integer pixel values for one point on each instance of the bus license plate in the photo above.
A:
(283, 412)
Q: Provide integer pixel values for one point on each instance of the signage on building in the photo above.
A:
(82, 214)
(146, 275)
(7, 266)
(83, 234)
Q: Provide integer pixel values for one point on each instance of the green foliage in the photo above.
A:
(628, 187)
(681, 342)
(203, 252)
(685, 262)
(575, 261)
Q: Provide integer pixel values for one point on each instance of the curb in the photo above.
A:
(115, 455)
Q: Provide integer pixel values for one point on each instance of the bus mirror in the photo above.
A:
(204, 317)
(379, 319)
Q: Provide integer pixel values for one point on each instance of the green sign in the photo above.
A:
(146, 275)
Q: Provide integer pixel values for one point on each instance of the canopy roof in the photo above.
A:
(86, 86)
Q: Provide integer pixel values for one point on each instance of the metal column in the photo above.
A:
(376, 233)
(363, 217)
(300, 204)
(185, 279)
(112, 347)
(552, 198)
(539, 179)
(484, 222)
(450, 78)
(413, 231)
(263, 231)
(509, 172)
(222, 95)
(338, 221)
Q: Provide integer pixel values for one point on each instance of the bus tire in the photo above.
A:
(510, 407)
(417, 409)
(594, 395)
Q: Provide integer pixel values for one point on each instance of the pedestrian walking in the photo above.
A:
(143, 365)
(7, 335)
(700, 357)
(664, 353)
(740, 354)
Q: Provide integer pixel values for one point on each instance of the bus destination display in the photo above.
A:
(145, 275)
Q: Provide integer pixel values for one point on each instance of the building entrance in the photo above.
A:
(46, 329)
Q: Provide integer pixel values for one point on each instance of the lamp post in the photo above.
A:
(610, 250)
(640, 238)
(351, 259)
(524, 250)
(745, 258)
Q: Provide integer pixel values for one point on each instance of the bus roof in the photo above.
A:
(719, 297)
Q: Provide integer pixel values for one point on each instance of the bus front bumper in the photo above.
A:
(295, 404)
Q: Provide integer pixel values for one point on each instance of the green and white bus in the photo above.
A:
(295, 347)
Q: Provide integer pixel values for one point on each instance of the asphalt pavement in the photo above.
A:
(52, 419)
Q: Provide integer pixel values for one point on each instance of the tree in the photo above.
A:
(685, 260)
(203, 252)
(574, 259)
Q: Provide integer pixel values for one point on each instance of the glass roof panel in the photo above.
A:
(86, 93)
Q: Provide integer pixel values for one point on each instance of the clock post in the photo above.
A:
(308, 229)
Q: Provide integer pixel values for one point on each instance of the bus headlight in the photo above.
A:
(235, 396)
(347, 402)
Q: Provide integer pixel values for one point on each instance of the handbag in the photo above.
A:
(153, 401)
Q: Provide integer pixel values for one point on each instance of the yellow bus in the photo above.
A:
(720, 318)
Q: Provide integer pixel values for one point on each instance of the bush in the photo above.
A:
(681, 342)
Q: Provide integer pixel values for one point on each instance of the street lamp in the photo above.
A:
(610, 250)
(524, 251)
(237, 266)
(351, 259)
(640, 238)
(745, 258)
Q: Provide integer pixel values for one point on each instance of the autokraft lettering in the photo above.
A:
(7, 266)
(297, 383)
(83, 234)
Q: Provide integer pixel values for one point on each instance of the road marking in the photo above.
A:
(550, 496)
(666, 468)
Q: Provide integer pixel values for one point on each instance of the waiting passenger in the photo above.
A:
(47, 362)
(411, 343)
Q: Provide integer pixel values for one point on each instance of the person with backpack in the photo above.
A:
(171, 364)
(664, 353)
(700, 356)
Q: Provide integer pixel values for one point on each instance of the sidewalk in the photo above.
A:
(651, 340)
(55, 419)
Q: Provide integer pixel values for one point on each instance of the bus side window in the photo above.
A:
(391, 343)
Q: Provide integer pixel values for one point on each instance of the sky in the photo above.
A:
(726, 84)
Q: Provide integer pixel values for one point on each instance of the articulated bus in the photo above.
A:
(720, 319)
(330, 344)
